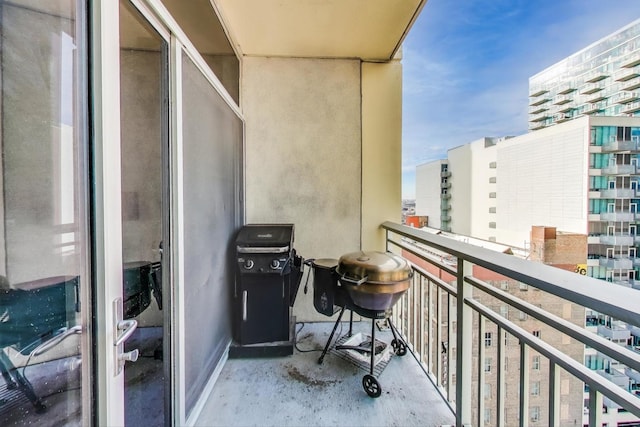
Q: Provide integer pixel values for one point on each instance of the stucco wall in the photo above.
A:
(303, 145)
(381, 150)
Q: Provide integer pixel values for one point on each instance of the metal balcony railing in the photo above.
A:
(451, 328)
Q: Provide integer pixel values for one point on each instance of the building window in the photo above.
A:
(504, 285)
(534, 413)
(535, 363)
(522, 315)
(488, 339)
(487, 364)
(535, 388)
(504, 311)
(487, 391)
(536, 333)
(524, 287)
(487, 416)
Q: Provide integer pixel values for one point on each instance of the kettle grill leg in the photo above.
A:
(326, 347)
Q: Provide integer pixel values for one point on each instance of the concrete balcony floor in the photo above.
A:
(296, 390)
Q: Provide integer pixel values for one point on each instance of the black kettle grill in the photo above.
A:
(368, 283)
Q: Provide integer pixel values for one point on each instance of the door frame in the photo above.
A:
(107, 209)
(107, 221)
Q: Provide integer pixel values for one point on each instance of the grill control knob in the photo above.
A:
(248, 264)
(275, 264)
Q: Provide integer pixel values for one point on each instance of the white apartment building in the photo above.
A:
(467, 202)
(434, 195)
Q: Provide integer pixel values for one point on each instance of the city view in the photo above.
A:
(563, 192)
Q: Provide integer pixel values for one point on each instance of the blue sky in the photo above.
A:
(467, 63)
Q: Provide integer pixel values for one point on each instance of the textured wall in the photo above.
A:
(303, 152)
(381, 150)
(542, 180)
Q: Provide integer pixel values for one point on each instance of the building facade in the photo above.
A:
(602, 79)
(467, 203)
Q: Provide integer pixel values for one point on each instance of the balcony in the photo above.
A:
(614, 333)
(590, 88)
(443, 317)
(618, 193)
(617, 216)
(445, 196)
(595, 76)
(630, 84)
(566, 88)
(538, 109)
(539, 117)
(561, 118)
(445, 174)
(631, 61)
(625, 97)
(624, 74)
(296, 391)
(538, 92)
(445, 185)
(616, 169)
(592, 108)
(562, 99)
(567, 108)
(596, 97)
(539, 101)
(617, 239)
(616, 263)
(631, 107)
(615, 145)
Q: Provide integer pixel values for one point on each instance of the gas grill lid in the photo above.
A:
(265, 238)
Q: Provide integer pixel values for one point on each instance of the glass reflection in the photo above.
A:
(43, 219)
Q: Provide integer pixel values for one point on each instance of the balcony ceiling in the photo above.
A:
(367, 29)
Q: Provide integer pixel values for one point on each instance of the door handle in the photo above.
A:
(122, 331)
(127, 327)
(244, 305)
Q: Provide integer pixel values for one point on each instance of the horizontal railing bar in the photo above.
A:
(438, 281)
(606, 298)
(622, 354)
(578, 370)
(430, 258)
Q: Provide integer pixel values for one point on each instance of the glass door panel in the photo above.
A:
(45, 301)
(144, 159)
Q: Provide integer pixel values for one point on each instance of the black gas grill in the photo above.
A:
(267, 277)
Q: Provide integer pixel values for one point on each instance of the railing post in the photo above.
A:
(595, 408)
(464, 346)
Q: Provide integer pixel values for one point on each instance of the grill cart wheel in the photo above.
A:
(399, 347)
(371, 386)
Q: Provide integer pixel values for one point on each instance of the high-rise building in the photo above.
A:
(581, 177)
(602, 79)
